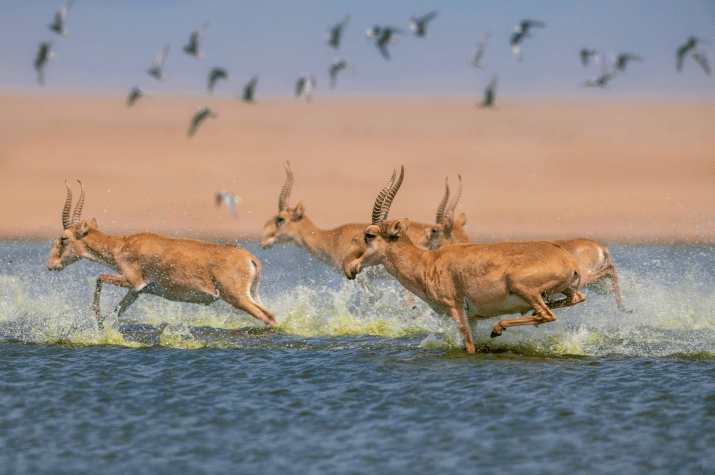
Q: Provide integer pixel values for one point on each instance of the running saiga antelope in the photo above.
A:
(446, 229)
(292, 225)
(493, 279)
(182, 270)
(594, 260)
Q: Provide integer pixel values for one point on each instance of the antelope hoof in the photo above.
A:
(496, 332)
(100, 322)
(469, 347)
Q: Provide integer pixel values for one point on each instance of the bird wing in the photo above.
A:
(428, 17)
(702, 58)
(160, 57)
(200, 31)
(680, 57)
(299, 86)
(65, 9)
(584, 55)
(383, 50)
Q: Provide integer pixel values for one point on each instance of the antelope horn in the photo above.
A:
(391, 195)
(78, 207)
(285, 191)
(377, 208)
(440, 208)
(455, 199)
(66, 210)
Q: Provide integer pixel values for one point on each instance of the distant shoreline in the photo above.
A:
(615, 172)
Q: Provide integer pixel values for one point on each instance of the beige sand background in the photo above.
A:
(532, 169)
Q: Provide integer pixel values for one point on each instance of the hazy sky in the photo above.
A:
(113, 42)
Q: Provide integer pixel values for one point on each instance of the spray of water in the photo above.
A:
(667, 314)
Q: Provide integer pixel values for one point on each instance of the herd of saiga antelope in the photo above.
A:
(437, 262)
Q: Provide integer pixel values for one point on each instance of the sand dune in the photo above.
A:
(541, 169)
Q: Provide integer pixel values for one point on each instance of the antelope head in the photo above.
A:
(69, 248)
(285, 226)
(369, 248)
(442, 233)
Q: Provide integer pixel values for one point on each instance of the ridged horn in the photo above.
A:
(440, 208)
(455, 199)
(78, 207)
(68, 207)
(377, 208)
(285, 191)
(391, 195)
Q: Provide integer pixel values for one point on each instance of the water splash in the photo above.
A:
(670, 312)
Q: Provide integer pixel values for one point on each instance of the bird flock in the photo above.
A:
(384, 36)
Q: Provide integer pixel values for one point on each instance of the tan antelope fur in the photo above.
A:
(594, 263)
(594, 260)
(493, 279)
(292, 225)
(183, 270)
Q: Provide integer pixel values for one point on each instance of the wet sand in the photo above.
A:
(617, 172)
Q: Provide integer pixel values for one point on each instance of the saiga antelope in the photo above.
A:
(182, 270)
(594, 260)
(292, 225)
(494, 279)
(446, 229)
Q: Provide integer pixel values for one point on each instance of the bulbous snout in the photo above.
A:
(268, 240)
(352, 269)
(55, 266)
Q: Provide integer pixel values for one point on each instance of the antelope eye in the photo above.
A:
(369, 237)
(279, 220)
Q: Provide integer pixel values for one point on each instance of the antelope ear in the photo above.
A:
(398, 227)
(462, 220)
(297, 214)
(94, 224)
(84, 228)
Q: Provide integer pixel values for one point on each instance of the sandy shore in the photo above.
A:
(615, 172)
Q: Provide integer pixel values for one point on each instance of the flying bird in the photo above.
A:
(43, 56)
(476, 59)
(489, 93)
(249, 91)
(202, 113)
(214, 76)
(692, 46)
(305, 84)
(521, 32)
(157, 66)
(333, 35)
(192, 47)
(229, 199)
(419, 25)
(623, 59)
(58, 26)
(383, 35)
(134, 95)
(600, 81)
(335, 67)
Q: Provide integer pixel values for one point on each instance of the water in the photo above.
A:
(354, 381)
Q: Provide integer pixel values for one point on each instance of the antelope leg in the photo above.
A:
(463, 326)
(118, 280)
